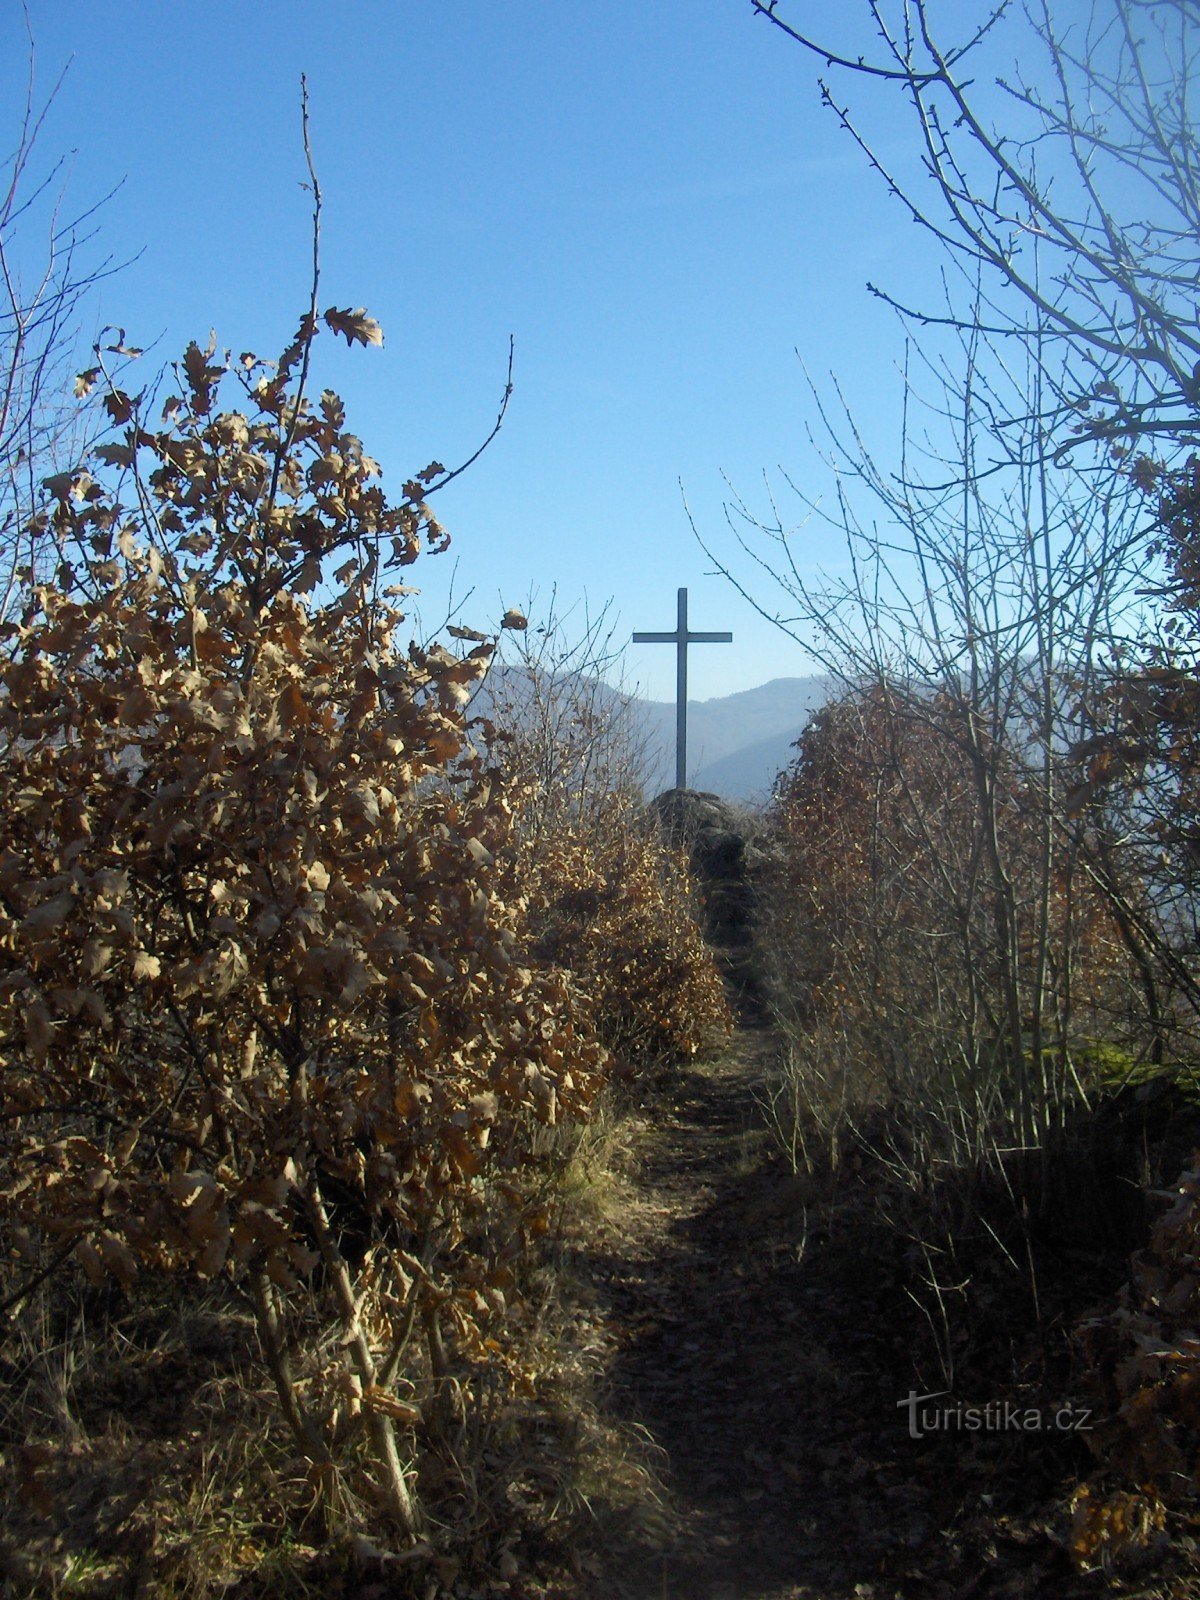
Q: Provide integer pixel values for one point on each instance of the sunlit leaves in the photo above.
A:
(254, 921)
(614, 904)
(356, 327)
(202, 376)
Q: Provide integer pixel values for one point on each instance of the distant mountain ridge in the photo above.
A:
(737, 743)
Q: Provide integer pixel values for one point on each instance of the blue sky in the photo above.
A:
(648, 197)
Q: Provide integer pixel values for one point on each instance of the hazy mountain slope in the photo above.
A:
(749, 773)
(738, 742)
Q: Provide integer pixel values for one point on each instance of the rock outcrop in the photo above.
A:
(730, 855)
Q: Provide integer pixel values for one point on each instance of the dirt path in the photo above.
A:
(751, 1370)
(761, 1338)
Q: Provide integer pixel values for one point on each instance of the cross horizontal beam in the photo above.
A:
(681, 638)
(688, 638)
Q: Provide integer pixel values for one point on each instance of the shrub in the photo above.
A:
(263, 1013)
(936, 926)
(616, 905)
(605, 897)
(1140, 1358)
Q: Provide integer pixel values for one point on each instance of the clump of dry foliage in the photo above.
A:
(269, 1021)
(1142, 1357)
(605, 896)
(616, 907)
(299, 954)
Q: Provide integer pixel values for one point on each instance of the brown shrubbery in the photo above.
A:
(1138, 1362)
(605, 896)
(947, 954)
(615, 905)
(1142, 1358)
(887, 910)
(265, 1012)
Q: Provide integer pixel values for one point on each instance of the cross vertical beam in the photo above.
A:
(681, 638)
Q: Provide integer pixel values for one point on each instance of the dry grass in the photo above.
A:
(141, 1451)
(138, 1449)
(598, 1158)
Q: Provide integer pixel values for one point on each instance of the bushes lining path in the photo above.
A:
(762, 1337)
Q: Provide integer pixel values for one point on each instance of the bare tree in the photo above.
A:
(573, 738)
(1075, 183)
(974, 611)
(993, 581)
(45, 278)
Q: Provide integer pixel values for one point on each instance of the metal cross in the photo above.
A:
(681, 638)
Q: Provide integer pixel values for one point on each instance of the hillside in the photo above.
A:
(737, 743)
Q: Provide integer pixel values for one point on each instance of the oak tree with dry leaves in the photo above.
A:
(264, 1013)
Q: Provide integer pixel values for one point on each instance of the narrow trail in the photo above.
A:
(748, 1364)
